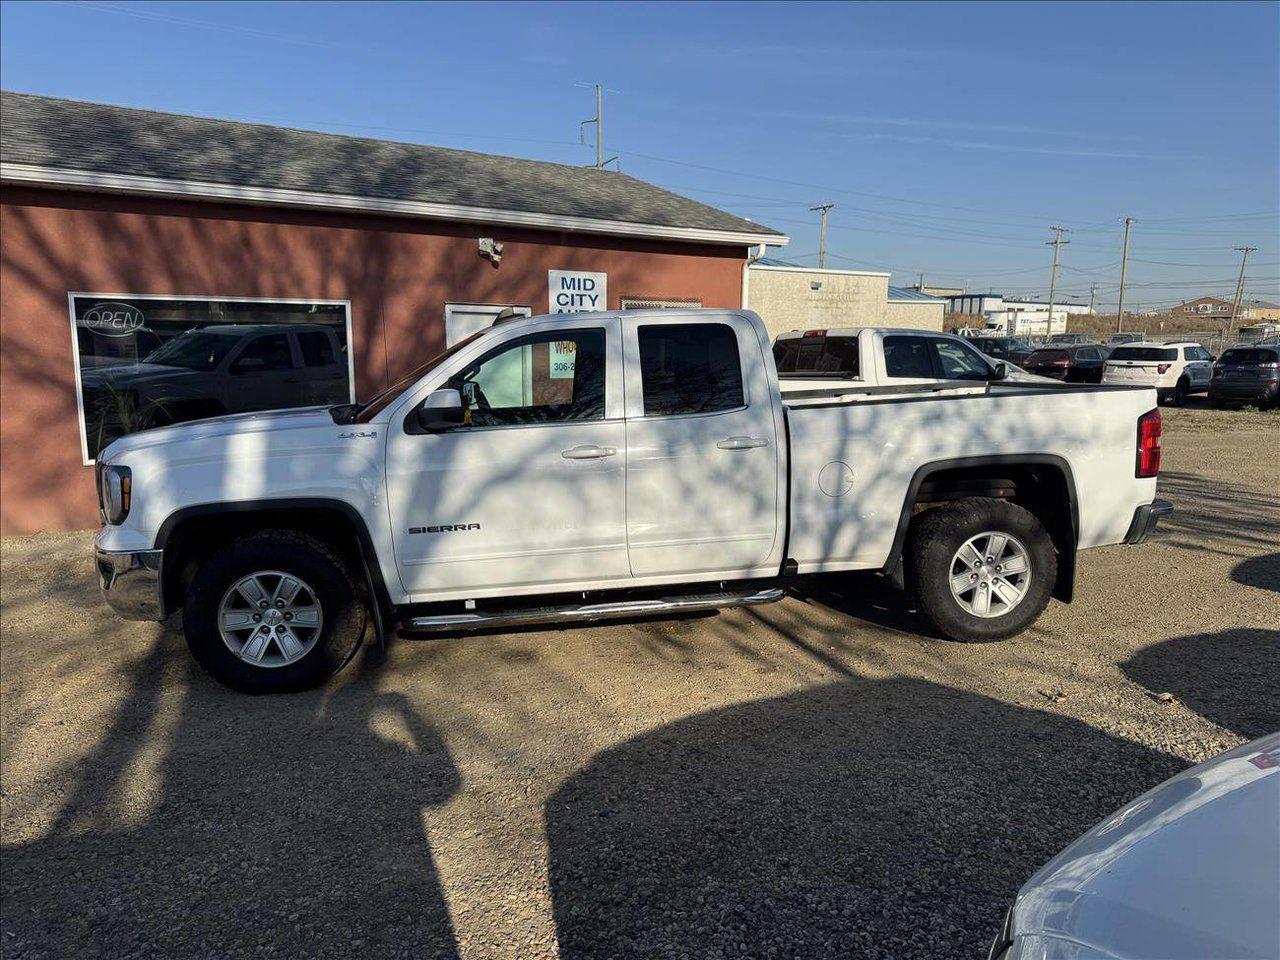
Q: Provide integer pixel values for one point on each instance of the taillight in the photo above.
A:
(1163, 367)
(1148, 462)
(1064, 362)
(814, 333)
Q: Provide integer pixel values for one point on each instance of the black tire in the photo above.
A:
(1180, 393)
(933, 541)
(336, 588)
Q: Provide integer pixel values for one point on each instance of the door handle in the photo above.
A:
(742, 443)
(588, 451)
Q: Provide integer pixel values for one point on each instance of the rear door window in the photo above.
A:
(908, 357)
(800, 357)
(317, 349)
(689, 368)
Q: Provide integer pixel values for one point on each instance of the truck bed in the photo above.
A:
(855, 453)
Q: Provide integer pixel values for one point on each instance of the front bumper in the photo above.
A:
(130, 582)
(1145, 519)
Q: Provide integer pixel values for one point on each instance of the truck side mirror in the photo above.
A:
(442, 410)
(999, 370)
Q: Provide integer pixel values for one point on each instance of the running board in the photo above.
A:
(591, 611)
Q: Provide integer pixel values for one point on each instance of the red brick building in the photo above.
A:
(144, 252)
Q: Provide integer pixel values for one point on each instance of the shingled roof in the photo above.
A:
(75, 144)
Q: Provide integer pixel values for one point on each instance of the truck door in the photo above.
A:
(703, 461)
(527, 495)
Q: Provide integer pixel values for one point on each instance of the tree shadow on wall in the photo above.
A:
(280, 825)
(870, 819)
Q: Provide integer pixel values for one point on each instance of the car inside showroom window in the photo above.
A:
(145, 361)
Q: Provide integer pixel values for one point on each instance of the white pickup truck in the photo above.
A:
(585, 466)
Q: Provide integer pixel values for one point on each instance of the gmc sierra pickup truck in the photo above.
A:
(586, 466)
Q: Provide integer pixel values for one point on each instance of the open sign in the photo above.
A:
(113, 319)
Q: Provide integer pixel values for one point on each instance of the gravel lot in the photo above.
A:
(815, 778)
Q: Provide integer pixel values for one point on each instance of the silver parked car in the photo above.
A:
(1188, 871)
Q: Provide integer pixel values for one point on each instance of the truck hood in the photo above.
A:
(235, 424)
(1189, 869)
(133, 375)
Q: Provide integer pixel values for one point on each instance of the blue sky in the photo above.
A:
(949, 136)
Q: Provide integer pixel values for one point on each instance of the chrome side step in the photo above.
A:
(591, 611)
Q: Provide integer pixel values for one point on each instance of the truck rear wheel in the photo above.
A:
(980, 569)
(273, 612)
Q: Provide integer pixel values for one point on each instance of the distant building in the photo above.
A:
(937, 291)
(1217, 308)
(792, 297)
(1015, 315)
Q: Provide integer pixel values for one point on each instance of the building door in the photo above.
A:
(461, 320)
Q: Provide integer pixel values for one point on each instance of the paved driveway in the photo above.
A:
(815, 778)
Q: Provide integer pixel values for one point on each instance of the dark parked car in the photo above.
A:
(1246, 375)
(1012, 349)
(1074, 363)
(215, 370)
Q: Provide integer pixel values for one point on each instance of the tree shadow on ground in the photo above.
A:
(871, 819)
(1262, 572)
(283, 825)
(868, 597)
(1228, 677)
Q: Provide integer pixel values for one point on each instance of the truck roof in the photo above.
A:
(854, 331)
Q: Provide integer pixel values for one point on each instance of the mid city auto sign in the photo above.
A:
(576, 291)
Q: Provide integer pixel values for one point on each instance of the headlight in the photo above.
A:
(115, 493)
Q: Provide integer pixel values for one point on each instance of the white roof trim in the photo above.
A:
(842, 273)
(271, 196)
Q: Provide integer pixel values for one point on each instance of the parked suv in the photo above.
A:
(1247, 374)
(215, 370)
(1073, 363)
(1011, 349)
(1176, 370)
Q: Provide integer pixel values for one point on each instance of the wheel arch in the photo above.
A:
(191, 533)
(1041, 482)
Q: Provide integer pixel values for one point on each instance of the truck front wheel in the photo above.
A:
(980, 569)
(273, 612)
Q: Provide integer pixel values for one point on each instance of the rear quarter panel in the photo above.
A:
(883, 444)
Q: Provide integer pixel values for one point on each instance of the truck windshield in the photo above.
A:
(379, 403)
(1144, 353)
(194, 350)
(808, 357)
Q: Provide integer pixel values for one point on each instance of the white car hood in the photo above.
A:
(235, 424)
(1190, 869)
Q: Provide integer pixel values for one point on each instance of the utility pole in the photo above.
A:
(1093, 293)
(1124, 272)
(920, 285)
(598, 120)
(1235, 308)
(822, 234)
(1056, 243)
